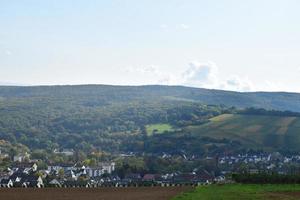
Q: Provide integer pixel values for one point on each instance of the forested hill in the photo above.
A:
(95, 95)
(120, 118)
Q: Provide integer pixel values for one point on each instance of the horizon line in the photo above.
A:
(142, 85)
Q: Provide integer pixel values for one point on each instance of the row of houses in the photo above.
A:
(102, 168)
(268, 158)
(24, 174)
(22, 177)
(86, 177)
(135, 179)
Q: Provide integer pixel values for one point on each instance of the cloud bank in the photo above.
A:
(201, 75)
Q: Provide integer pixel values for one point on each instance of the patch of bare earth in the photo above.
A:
(253, 128)
(284, 125)
(140, 193)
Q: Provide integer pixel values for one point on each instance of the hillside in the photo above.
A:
(253, 131)
(124, 118)
(95, 95)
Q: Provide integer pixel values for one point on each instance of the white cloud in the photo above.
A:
(183, 26)
(206, 75)
(197, 74)
(201, 75)
(236, 83)
(143, 69)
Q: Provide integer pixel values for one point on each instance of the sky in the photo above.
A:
(249, 45)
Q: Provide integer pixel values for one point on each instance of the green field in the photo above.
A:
(253, 131)
(242, 192)
(158, 128)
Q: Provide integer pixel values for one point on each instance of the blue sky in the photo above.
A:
(225, 44)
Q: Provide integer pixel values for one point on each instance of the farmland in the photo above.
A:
(243, 192)
(146, 193)
(253, 131)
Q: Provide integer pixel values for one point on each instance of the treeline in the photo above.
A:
(266, 178)
(261, 111)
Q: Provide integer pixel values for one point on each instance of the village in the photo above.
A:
(260, 162)
(27, 175)
(24, 172)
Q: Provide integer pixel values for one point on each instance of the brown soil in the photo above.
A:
(140, 193)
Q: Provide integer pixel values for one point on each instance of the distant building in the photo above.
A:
(61, 167)
(149, 177)
(26, 178)
(21, 157)
(7, 183)
(66, 152)
(102, 168)
(54, 183)
(107, 167)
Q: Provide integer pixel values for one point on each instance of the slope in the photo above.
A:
(95, 95)
(253, 131)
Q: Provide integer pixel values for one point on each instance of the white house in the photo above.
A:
(103, 168)
(21, 157)
(8, 183)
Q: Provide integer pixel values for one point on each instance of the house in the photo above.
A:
(54, 183)
(23, 165)
(204, 176)
(21, 157)
(76, 184)
(148, 177)
(7, 183)
(5, 174)
(18, 175)
(70, 175)
(57, 168)
(34, 167)
(29, 181)
(102, 168)
(185, 178)
(26, 178)
(3, 155)
(66, 152)
(107, 167)
(133, 177)
(220, 179)
(94, 172)
(32, 181)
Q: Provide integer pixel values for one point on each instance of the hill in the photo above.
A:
(253, 131)
(136, 118)
(94, 95)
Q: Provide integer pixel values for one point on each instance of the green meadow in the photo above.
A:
(158, 128)
(242, 192)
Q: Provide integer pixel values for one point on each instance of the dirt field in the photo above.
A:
(141, 193)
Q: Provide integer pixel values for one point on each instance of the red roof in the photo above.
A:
(149, 177)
